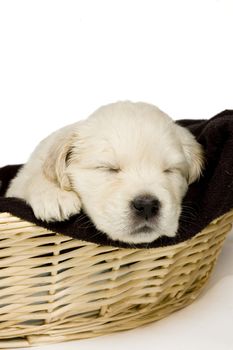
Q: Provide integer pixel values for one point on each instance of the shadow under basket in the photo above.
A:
(54, 288)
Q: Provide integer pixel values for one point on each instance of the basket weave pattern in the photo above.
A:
(54, 288)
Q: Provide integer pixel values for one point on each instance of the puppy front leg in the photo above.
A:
(43, 181)
(48, 201)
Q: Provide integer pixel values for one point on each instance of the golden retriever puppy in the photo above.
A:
(127, 166)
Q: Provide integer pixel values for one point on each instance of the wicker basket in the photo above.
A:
(54, 288)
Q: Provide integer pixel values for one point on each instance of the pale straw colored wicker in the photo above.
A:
(54, 288)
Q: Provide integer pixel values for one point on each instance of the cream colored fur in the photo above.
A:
(101, 164)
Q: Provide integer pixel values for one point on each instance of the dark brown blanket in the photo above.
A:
(206, 200)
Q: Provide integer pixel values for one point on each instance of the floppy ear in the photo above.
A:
(193, 153)
(55, 164)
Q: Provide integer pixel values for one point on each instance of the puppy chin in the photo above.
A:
(144, 236)
(132, 232)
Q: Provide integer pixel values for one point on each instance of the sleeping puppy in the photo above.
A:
(127, 166)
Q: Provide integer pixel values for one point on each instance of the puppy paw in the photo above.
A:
(55, 204)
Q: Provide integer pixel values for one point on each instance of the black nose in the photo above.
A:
(146, 206)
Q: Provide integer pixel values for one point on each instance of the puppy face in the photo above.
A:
(131, 166)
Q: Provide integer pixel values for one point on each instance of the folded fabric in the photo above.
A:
(206, 199)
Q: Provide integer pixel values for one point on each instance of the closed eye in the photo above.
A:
(171, 170)
(174, 170)
(108, 168)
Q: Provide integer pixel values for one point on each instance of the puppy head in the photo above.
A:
(131, 166)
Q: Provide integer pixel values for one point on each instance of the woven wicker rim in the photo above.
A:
(54, 288)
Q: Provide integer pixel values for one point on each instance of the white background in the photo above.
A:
(60, 60)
